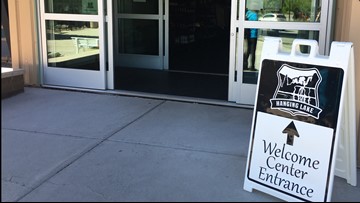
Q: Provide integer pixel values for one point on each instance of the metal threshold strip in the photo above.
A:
(154, 96)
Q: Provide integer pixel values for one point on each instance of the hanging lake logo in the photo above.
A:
(297, 91)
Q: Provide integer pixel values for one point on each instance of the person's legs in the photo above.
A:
(252, 52)
(246, 54)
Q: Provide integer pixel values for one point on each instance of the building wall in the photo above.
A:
(347, 29)
(24, 42)
(355, 38)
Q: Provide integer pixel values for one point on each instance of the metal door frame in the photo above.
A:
(243, 93)
(58, 76)
(159, 61)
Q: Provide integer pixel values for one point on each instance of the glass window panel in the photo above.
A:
(253, 48)
(283, 10)
(71, 6)
(73, 44)
(138, 36)
(138, 6)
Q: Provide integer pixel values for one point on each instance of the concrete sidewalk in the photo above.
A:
(74, 146)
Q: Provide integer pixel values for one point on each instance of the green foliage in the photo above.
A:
(288, 6)
(303, 6)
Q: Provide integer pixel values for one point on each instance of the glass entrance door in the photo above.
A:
(73, 43)
(172, 47)
(139, 33)
(256, 19)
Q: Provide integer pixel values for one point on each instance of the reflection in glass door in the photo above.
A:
(73, 43)
(256, 19)
(139, 34)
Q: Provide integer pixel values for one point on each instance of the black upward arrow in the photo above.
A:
(291, 132)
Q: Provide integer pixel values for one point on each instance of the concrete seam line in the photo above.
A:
(63, 165)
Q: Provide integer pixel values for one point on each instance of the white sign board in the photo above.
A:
(295, 124)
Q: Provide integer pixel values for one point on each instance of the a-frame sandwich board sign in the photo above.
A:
(297, 119)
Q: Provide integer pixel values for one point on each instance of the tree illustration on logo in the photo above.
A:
(304, 93)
